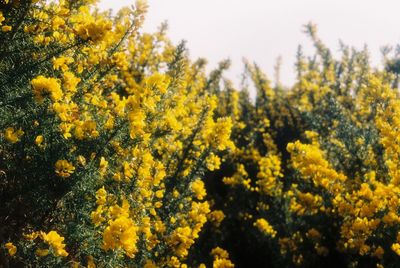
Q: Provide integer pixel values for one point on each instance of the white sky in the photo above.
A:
(261, 30)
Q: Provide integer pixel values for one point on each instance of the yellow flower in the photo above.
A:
(39, 140)
(43, 84)
(94, 30)
(198, 189)
(62, 63)
(13, 136)
(158, 81)
(11, 248)
(57, 22)
(82, 160)
(223, 263)
(56, 242)
(396, 248)
(310, 160)
(221, 258)
(97, 215)
(6, 28)
(121, 234)
(101, 196)
(31, 236)
(70, 82)
(218, 133)
(213, 162)
(64, 168)
(103, 166)
(216, 217)
(219, 253)
(267, 177)
(265, 227)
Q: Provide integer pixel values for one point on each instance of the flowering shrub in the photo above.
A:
(105, 135)
(313, 181)
(117, 150)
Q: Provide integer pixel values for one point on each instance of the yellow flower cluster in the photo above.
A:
(221, 258)
(269, 175)
(43, 85)
(198, 189)
(12, 135)
(213, 162)
(121, 233)
(54, 240)
(216, 217)
(64, 168)
(310, 161)
(264, 227)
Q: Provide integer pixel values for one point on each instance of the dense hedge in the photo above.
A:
(117, 150)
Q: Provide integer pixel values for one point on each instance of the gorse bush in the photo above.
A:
(313, 180)
(106, 133)
(117, 150)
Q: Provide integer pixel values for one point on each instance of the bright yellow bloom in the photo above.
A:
(94, 30)
(223, 263)
(181, 240)
(11, 248)
(62, 63)
(265, 227)
(396, 248)
(218, 133)
(56, 242)
(82, 160)
(269, 174)
(70, 82)
(103, 166)
(220, 253)
(198, 189)
(221, 258)
(31, 236)
(216, 217)
(121, 234)
(213, 162)
(57, 22)
(6, 28)
(43, 85)
(158, 81)
(309, 159)
(64, 168)
(101, 196)
(12, 135)
(39, 140)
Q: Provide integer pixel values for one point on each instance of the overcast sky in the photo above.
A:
(262, 30)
